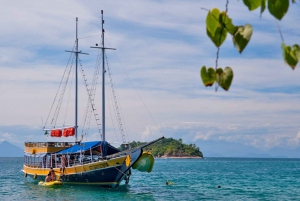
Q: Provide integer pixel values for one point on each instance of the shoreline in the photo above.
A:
(179, 157)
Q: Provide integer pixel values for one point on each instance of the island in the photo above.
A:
(170, 148)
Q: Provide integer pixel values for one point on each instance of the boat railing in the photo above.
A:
(49, 144)
(76, 160)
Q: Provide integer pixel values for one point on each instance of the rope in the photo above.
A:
(117, 169)
(91, 96)
(71, 85)
(110, 111)
(59, 86)
(138, 94)
(57, 110)
(90, 36)
(114, 94)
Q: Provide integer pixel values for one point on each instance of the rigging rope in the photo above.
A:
(57, 110)
(70, 58)
(114, 95)
(138, 94)
(91, 97)
(71, 85)
(110, 110)
(90, 36)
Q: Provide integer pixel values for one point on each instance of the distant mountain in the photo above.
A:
(226, 149)
(279, 152)
(10, 150)
(211, 148)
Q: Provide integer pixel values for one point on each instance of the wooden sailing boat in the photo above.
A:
(94, 162)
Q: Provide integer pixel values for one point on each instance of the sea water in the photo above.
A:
(193, 179)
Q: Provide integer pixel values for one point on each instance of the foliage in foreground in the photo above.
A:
(218, 24)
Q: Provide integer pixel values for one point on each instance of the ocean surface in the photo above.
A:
(193, 179)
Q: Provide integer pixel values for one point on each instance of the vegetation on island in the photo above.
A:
(169, 147)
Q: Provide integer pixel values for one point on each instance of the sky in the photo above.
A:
(161, 47)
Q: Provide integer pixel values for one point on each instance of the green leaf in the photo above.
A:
(212, 21)
(263, 7)
(214, 29)
(291, 55)
(208, 76)
(297, 51)
(219, 37)
(224, 77)
(242, 37)
(227, 23)
(252, 4)
(219, 71)
(278, 8)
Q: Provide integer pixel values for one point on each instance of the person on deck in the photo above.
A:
(63, 163)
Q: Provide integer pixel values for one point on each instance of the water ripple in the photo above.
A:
(193, 179)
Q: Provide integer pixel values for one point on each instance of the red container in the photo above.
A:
(56, 133)
(66, 133)
(69, 132)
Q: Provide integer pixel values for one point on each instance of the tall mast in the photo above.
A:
(103, 48)
(103, 81)
(76, 81)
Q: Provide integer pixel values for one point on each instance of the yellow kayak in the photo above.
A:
(50, 183)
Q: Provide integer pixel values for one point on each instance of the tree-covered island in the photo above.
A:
(169, 147)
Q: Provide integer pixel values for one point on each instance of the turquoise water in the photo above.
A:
(194, 179)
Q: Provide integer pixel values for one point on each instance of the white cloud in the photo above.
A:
(254, 134)
(10, 138)
(162, 45)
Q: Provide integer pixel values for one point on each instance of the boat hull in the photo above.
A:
(105, 177)
(109, 172)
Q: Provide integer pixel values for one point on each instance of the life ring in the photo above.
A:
(34, 176)
(25, 174)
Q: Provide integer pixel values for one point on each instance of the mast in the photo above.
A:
(76, 81)
(103, 48)
(103, 81)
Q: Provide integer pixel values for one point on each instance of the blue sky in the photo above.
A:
(162, 45)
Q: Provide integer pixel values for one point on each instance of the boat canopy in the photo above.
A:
(102, 146)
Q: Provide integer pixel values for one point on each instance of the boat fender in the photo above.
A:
(127, 160)
(25, 174)
(34, 176)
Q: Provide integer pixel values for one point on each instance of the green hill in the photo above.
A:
(169, 147)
